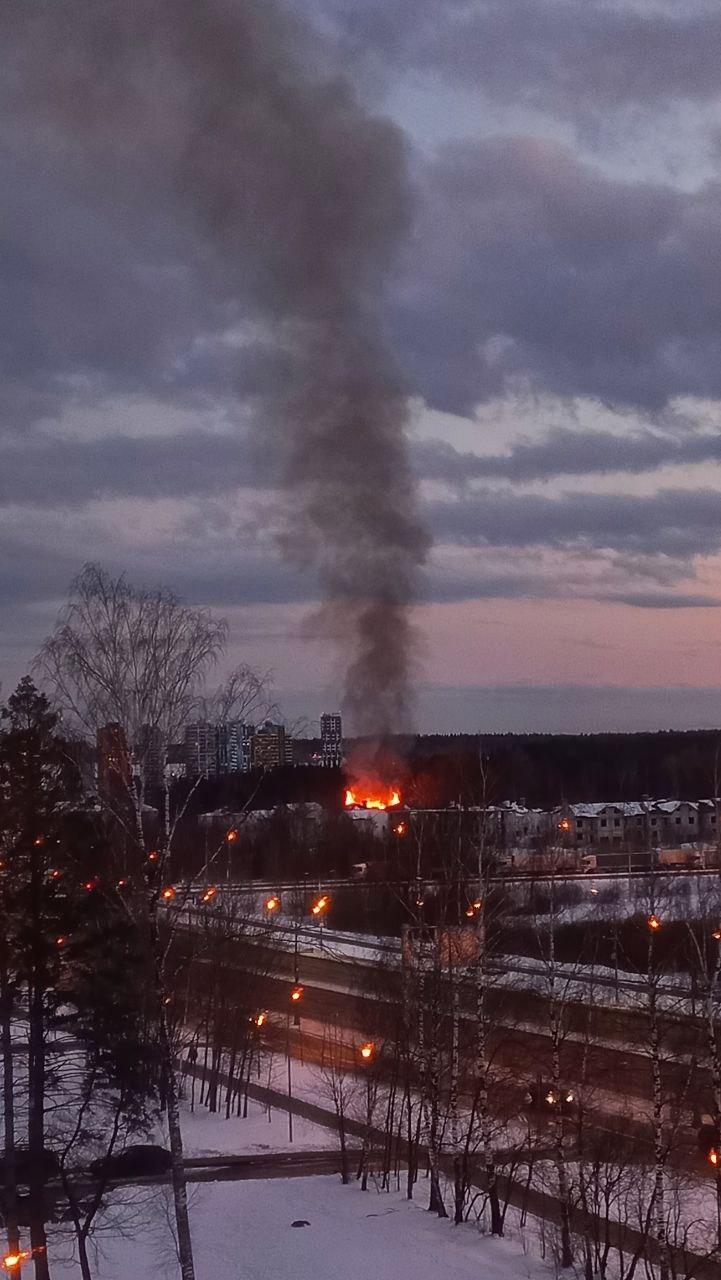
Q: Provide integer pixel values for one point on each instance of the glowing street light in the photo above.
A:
(231, 836)
(653, 923)
(260, 1019)
(367, 1051)
(60, 940)
(714, 1157)
(209, 894)
(400, 829)
(564, 825)
(272, 903)
(168, 893)
(13, 1260)
(296, 994)
(321, 904)
(153, 855)
(717, 934)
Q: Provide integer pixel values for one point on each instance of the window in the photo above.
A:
(617, 822)
(604, 822)
(654, 822)
(579, 822)
(678, 822)
(691, 819)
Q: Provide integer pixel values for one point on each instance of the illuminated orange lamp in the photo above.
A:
(232, 835)
(168, 893)
(40, 840)
(714, 1157)
(260, 1019)
(153, 855)
(653, 923)
(474, 907)
(717, 934)
(420, 902)
(401, 829)
(470, 912)
(13, 1260)
(296, 994)
(272, 903)
(209, 894)
(55, 874)
(121, 884)
(367, 1051)
(564, 825)
(321, 904)
(60, 940)
(90, 885)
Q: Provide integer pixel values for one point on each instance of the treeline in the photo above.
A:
(547, 769)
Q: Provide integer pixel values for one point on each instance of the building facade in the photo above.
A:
(114, 760)
(235, 747)
(331, 739)
(271, 748)
(200, 749)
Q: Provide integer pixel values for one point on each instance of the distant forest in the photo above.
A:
(542, 770)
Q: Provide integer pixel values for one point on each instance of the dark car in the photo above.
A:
(548, 1099)
(23, 1163)
(139, 1161)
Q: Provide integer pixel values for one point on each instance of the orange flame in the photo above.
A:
(373, 795)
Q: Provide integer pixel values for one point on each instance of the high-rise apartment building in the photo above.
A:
(200, 749)
(114, 766)
(331, 739)
(150, 755)
(271, 749)
(235, 746)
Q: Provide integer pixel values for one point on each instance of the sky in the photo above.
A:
(555, 309)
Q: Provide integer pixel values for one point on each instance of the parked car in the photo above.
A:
(138, 1161)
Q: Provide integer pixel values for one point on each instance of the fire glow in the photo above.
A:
(372, 796)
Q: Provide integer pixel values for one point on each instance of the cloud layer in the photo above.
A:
(557, 320)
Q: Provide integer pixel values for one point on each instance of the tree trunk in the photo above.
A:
(36, 1075)
(9, 1170)
(180, 1191)
(36, 1129)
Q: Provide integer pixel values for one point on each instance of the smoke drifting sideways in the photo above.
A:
(291, 204)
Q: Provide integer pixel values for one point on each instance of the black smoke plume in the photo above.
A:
(290, 203)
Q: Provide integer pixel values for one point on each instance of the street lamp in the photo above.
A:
(367, 1051)
(653, 922)
(13, 1260)
(318, 909)
(297, 993)
(272, 904)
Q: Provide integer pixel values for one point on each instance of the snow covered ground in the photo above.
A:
(244, 1231)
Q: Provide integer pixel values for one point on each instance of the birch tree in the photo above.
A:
(138, 659)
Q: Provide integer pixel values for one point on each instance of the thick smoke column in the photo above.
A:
(295, 202)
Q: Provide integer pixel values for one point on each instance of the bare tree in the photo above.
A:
(137, 659)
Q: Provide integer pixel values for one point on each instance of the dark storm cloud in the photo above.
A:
(68, 473)
(680, 523)
(529, 264)
(560, 55)
(566, 452)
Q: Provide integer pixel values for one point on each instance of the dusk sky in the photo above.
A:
(555, 309)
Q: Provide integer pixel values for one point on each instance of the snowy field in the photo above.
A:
(243, 1231)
